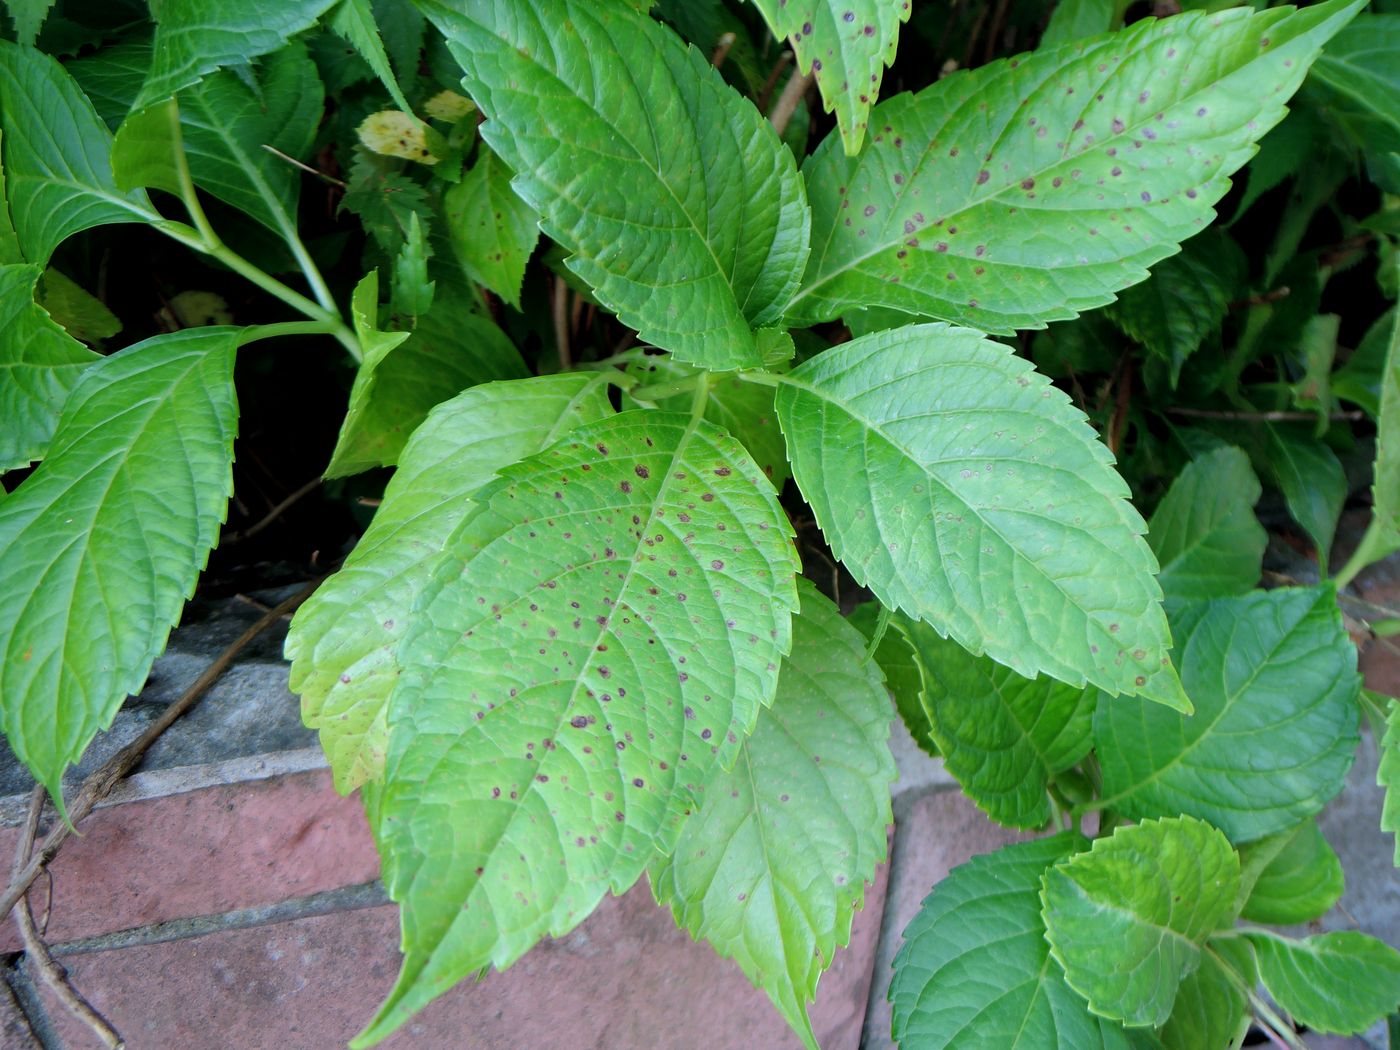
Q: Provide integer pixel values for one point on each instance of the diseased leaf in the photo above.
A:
(342, 640)
(404, 374)
(194, 39)
(1210, 1010)
(1388, 775)
(1299, 879)
(1032, 189)
(39, 364)
(598, 642)
(57, 173)
(101, 545)
(1340, 982)
(1127, 920)
(683, 211)
(1184, 300)
(845, 45)
(959, 486)
(1273, 677)
(354, 20)
(975, 969)
(1204, 532)
(1311, 479)
(492, 230)
(774, 864)
(1004, 737)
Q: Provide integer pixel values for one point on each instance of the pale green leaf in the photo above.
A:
(958, 485)
(975, 970)
(412, 291)
(1034, 188)
(193, 39)
(354, 20)
(101, 545)
(58, 175)
(80, 313)
(1273, 677)
(1299, 880)
(1004, 737)
(1210, 1010)
(1340, 982)
(28, 17)
(1311, 478)
(683, 211)
(342, 641)
(772, 868)
(1184, 300)
(39, 364)
(1127, 919)
(404, 374)
(493, 231)
(1204, 532)
(904, 674)
(845, 45)
(1388, 775)
(601, 638)
(1073, 20)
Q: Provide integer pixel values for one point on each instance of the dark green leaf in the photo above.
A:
(354, 20)
(1073, 20)
(1211, 1011)
(904, 675)
(1358, 77)
(28, 17)
(1311, 479)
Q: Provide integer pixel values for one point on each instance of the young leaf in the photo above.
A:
(1340, 982)
(1299, 879)
(952, 480)
(412, 293)
(1273, 677)
(1204, 532)
(1388, 775)
(28, 17)
(600, 640)
(101, 545)
(57, 170)
(1004, 737)
(492, 230)
(39, 364)
(772, 867)
(194, 39)
(1311, 479)
(975, 969)
(80, 313)
(1210, 1009)
(683, 211)
(1184, 300)
(845, 45)
(342, 641)
(1029, 190)
(404, 374)
(1127, 919)
(354, 20)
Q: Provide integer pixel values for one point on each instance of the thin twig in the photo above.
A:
(787, 102)
(306, 167)
(100, 783)
(53, 975)
(1119, 419)
(721, 51)
(998, 20)
(766, 95)
(1263, 417)
(560, 310)
(1262, 299)
(272, 515)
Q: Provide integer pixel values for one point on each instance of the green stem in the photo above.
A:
(702, 398)
(254, 333)
(760, 378)
(659, 391)
(881, 626)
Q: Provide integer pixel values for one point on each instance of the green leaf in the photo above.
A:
(1299, 879)
(412, 293)
(404, 374)
(384, 199)
(80, 313)
(492, 230)
(904, 674)
(1073, 20)
(1340, 982)
(1127, 919)
(39, 364)
(111, 77)
(1204, 532)
(1004, 737)
(194, 39)
(102, 544)
(845, 45)
(978, 470)
(1382, 536)
(342, 640)
(56, 153)
(1184, 300)
(1311, 478)
(743, 409)
(601, 639)
(975, 969)
(354, 20)
(9, 240)
(772, 868)
(1282, 152)
(1361, 377)
(1357, 76)
(1210, 1009)
(1273, 677)
(28, 17)
(683, 211)
(1010, 196)
(1388, 775)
